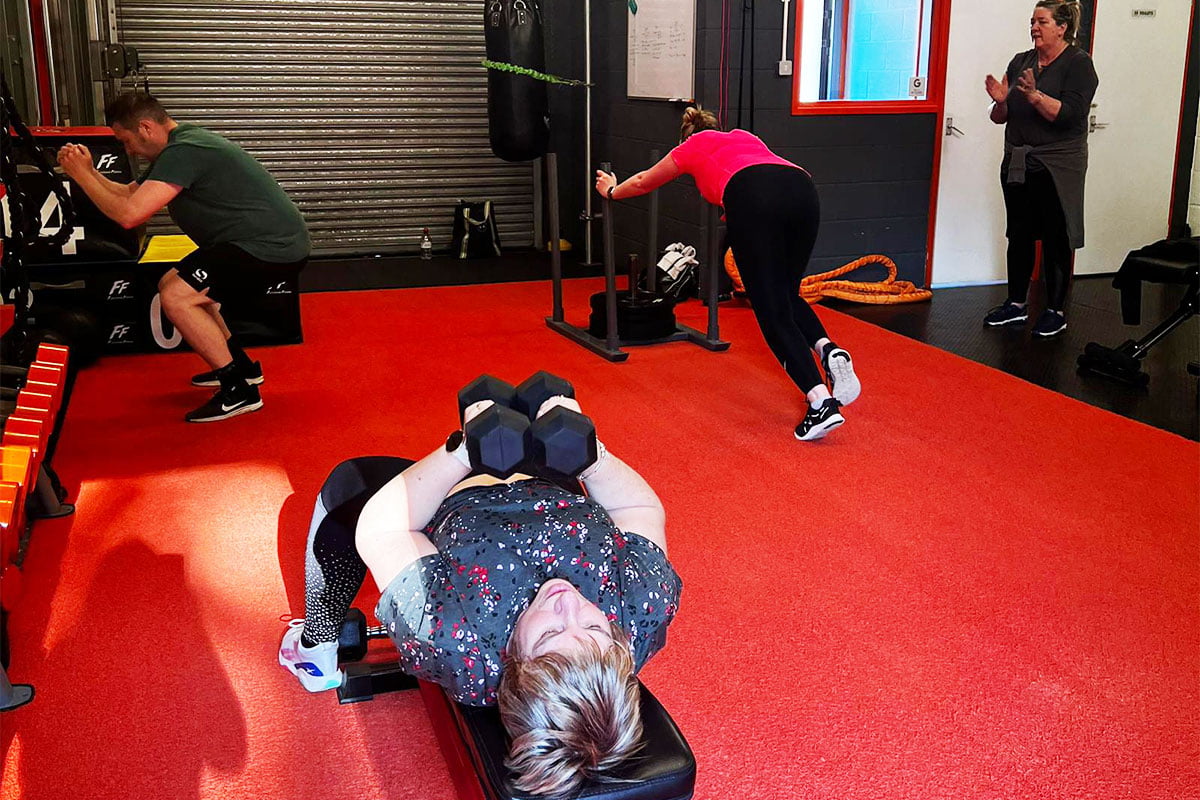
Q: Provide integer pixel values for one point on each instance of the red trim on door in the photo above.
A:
(1187, 69)
(938, 45)
(41, 62)
(1095, 16)
(824, 107)
(845, 50)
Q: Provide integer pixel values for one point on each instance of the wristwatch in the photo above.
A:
(611, 189)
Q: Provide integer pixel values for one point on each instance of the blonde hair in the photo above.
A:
(571, 718)
(696, 119)
(1064, 12)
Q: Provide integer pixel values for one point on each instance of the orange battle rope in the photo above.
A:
(815, 287)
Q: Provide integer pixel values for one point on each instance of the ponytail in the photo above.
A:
(696, 119)
(1064, 12)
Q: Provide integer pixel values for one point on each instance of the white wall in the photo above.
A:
(969, 242)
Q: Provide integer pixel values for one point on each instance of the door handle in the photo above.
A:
(1093, 126)
(951, 129)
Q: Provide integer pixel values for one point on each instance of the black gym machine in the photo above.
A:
(21, 230)
(637, 317)
(1169, 262)
(518, 114)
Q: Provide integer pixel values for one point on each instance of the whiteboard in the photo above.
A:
(662, 50)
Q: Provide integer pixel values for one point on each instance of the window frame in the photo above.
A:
(935, 81)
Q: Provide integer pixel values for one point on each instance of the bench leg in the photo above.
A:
(13, 696)
(49, 506)
(450, 738)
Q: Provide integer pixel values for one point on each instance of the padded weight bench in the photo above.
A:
(474, 742)
(1170, 261)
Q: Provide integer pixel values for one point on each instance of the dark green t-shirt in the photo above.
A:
(228, 197)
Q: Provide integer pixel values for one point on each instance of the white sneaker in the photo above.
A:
(316, 667)
(843, 383)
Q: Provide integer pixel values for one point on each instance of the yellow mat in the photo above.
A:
(167, 249)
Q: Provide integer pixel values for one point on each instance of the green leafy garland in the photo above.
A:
(542, 76)
(532, 73)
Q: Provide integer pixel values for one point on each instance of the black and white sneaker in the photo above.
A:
(839, 368)
(820, 421)
(1050, 323)
(1007, 313)
(226, 403)
(209, 379)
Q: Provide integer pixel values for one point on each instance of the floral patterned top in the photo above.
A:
(451, 614)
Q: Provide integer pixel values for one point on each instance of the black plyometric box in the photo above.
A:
(96, 237)
(98, 284)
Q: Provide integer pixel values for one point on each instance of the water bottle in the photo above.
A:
(426, 246)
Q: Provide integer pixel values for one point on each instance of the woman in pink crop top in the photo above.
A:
(772, 214)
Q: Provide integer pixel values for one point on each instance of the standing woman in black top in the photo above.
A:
(1043, 102)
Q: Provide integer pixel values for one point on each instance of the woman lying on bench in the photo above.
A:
(516, 592)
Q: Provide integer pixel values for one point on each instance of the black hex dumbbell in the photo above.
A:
(499, 440)
(486, 387)
(564, 441)
(365, 679)
(353, 636)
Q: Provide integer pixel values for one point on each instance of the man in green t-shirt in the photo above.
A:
(250, 235)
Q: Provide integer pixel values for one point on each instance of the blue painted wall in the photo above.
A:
(883, 48)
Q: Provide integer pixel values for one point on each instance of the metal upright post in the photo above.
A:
(711, 339)
(713, 260)
(612, 341)
(56, 116)
(555, 243)
(652, 261)
(588, 177)
(609, 348)
(539, 203)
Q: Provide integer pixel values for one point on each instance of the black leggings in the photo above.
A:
(1035, 213)
(772, 214)
(333, 570)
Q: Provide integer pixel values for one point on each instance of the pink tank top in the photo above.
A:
(713, 157)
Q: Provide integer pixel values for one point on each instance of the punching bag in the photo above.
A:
(518, 105)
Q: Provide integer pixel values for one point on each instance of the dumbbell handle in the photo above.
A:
(377, 631)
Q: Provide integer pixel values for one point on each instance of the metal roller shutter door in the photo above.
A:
(372, 114)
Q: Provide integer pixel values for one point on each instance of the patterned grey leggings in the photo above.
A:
(333, 571)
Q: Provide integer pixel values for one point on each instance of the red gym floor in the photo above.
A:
(976, 588)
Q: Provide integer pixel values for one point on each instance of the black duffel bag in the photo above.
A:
(475, 234)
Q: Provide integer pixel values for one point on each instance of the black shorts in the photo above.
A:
(233, 277)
